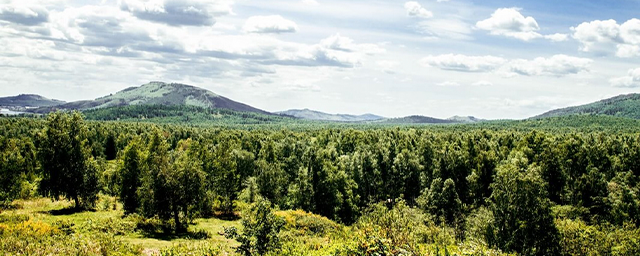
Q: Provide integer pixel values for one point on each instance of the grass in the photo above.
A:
(110, 220)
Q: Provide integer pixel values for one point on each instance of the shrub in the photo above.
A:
(307, 223)
(260, 230)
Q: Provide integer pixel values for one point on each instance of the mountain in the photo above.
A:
(317, 115)
(158, 93)
(416, 119)
(465, 119)
(620, 106)
(28, 100)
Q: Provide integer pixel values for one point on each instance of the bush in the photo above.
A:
(39, 238)
(307, 223)
(578, 238)
(260, 230)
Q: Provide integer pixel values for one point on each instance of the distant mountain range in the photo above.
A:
(308, 114)
(620, 106)
(175, 94)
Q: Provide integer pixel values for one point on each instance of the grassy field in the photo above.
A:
(108, 218)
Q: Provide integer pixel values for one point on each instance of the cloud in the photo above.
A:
(448, 84)
(482, 83)
(589, 34)
(345, 44)
(607, 36)
(445, 28)
(457, 62)
(557, 37)
(336, 50)
(414, 9)
(269, 24)
(631, 80)
(178, 13)
(557, 65)
(24, 15)
(628, 51)
(310, 2)
(511, 23)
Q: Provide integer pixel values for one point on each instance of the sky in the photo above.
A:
(490, 59)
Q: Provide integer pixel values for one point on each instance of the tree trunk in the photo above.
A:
(76, 200)
(176, 219)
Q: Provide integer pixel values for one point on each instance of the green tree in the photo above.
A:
(225, 165)
(15, 165)
(260, 230)
(171, 190)
(522, 210)
(130, 177)
(67, 167)
(442, 201)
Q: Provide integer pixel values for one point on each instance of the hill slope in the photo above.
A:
(620, 106)
(159, 93)
(308, 114)
(28, 100)
(416, 119)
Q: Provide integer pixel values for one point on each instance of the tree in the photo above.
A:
(130, 177)
(110, 150)
(225, 166)
(15, 164)
(441, 200)
(67, 167)
(260, 230)
(522, 210)
(171, 191)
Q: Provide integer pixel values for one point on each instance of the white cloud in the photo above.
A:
(178, 13)
(448, 84)
(606, 36)
(345, 44)
(465, 63)
(269, 24)
(511, 23)
(628, 50)
(630, 32)
(414, 9)
(591, 34)
(445, 28)
(557, 37)
(443, 0)
(482, 83)
(557, 65)
(631, 80)
(23, 14)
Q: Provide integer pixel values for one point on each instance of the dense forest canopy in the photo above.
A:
(509, 188)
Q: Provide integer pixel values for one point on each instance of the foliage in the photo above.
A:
(260, 230)
(17, 163)
(523, 220)
(38, 238)
(444, 189)
(68, 169)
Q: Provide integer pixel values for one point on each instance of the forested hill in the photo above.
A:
(28, 100)
(158, 93)
(621, 106)
(183, 114)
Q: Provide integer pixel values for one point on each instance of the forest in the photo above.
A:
(75, 186)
